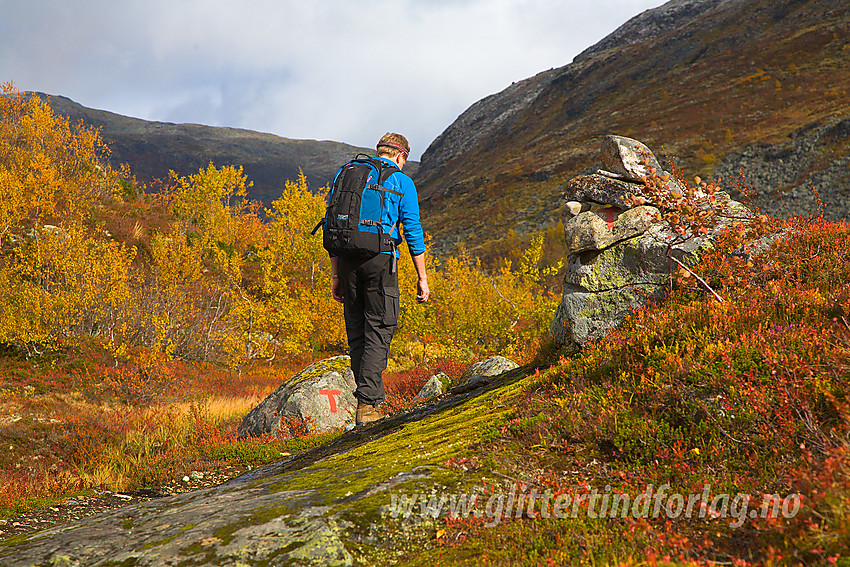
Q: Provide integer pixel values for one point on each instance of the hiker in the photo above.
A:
(366, 282)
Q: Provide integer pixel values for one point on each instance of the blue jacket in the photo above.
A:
(401, 209)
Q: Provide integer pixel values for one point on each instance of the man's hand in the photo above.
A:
(422, 291)
(336, 284)
(336, 289)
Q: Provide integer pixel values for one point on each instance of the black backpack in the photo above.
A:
(352, 223)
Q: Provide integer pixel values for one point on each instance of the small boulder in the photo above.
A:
(319, 397)
(586, 231)
(628, 158)
(573, 208)
(599, 229)
(432, 388)
(491, 367)
(602, 190)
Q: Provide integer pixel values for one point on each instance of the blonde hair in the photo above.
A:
(391, 144)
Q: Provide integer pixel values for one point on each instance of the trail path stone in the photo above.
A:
(319, 397)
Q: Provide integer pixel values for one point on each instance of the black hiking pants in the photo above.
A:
(370, 292)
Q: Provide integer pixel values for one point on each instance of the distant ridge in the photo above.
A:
(153, 148)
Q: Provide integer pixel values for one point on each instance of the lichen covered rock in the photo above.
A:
(628, 158)
(493, 366)
(432, 388)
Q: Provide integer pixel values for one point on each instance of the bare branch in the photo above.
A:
(699, 279)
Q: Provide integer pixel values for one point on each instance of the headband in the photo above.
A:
(395, 146)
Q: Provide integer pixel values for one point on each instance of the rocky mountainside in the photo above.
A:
(153, 148)
(721, 86)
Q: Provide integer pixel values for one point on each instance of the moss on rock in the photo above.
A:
(336, 364)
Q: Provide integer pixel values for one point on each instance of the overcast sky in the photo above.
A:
(317, 69)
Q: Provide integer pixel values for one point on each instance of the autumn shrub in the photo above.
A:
(820, 533)
(191, 303)
(401, 388)
(61, 278)
(225, 286)
(49, 169)
(79, 422)
(299, 312)
(475, 312)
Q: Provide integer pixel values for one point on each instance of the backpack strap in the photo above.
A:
(384, 172)
(383, 189)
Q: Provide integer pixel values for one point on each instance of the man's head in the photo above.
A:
(395, 147)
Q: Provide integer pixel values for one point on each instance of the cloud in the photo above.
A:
(322, 69)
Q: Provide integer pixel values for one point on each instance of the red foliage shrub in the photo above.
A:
(748, 395)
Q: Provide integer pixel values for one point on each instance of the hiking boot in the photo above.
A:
(366, 413)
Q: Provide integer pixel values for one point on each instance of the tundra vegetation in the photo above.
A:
(737, 381)
(138, 324)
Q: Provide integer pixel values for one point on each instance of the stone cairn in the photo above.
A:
(619, 256)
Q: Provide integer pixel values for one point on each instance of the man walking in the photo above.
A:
(368, 286)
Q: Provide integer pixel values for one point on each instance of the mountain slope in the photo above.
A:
(153, 148)
(718, 84)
